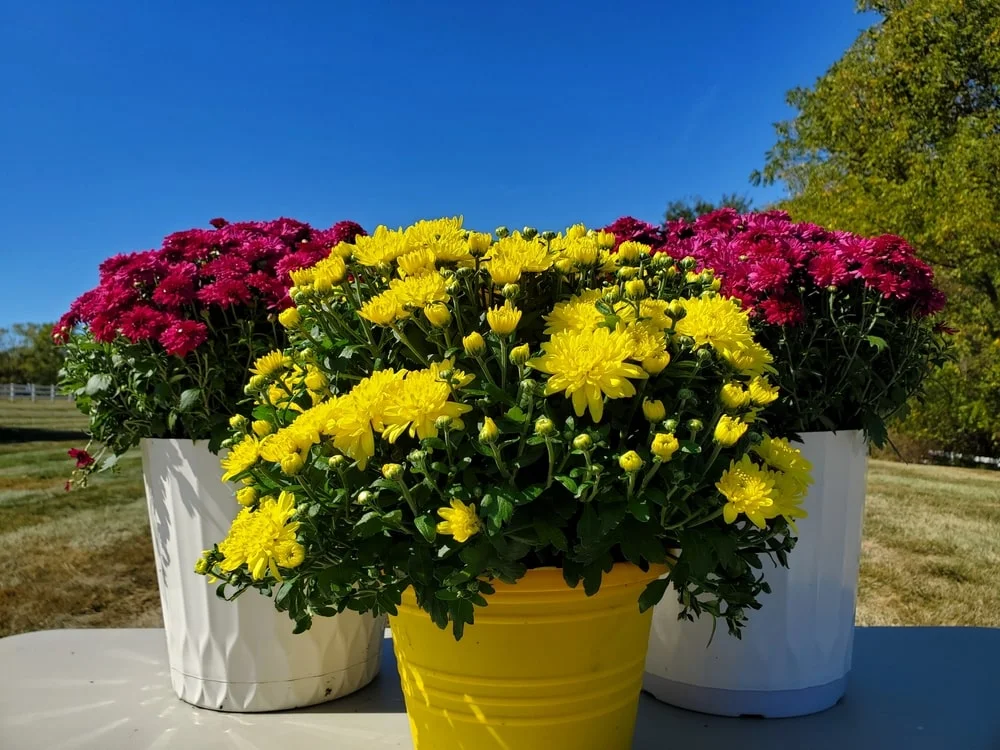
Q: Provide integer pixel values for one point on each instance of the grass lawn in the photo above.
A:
(85, 558)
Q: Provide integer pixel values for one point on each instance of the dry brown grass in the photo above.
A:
(931, 551)
(85, 559)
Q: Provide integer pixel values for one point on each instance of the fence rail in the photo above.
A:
(13, 391)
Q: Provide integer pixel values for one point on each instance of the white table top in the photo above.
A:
(911, 688)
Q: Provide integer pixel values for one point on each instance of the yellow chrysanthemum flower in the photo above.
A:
(751, 360)
(629, 252)
(302, 277)
(289, 317)
(241, 457)
(246, 496)
(728, 430)
(589, 365)
(263, 539)
(437, 314)
(734, 396)
(665, 445)
(647, 341)
(762, 392)
(419, 291)
(382, 246)
(715, 321)
(780, 455)
(473, 344)
(383, 310)
(329, 272)
(419, 401)
(513, 255)
(749, 490)
(270, 364)
(361, 413)
(653, 410)
(578, 313)
(416, 262)
(503, 320)
(576, 231)
(460, 521)
(582, 251)
(630, 462)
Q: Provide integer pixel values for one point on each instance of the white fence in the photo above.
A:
(13, 391)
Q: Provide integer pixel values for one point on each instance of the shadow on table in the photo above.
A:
(911, 688)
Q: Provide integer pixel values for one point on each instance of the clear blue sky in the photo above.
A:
(121, 121)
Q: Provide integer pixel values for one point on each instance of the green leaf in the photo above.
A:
(515, 414)
(426, 526)
(653, 593)
(189, 398)
(639, 509)
(97, 384)
(878, 342)
(568, 483)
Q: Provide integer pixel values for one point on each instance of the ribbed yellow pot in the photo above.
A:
(544, 666)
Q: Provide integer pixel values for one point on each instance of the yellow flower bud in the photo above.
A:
(261, 427)
(653, 410)
(630, 462)
(627, 272)
(292, 463)
(479, 243)
(576, 231)
(201, 567)
(473, 344)
(664, 446)
(762, 392)
(510, 291)
(257, 382)
(503, 320)
(733, 396)
(520, 354)
(583, 442)
(605, 240)
(336, 462)
(611, 295)
(565, 265)
(237, 421)
(246, 496)
(315, 380)
(392, 472)
(729, 430)
(438, 314)
(676, 309)
(657, 363)
(289, 317)
(630, 251)
(489, 432)
(544, 426)
(635, 289)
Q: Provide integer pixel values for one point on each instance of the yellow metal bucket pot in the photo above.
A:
(544, 666)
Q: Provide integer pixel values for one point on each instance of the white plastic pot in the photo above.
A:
(795, 653)
(241, 655)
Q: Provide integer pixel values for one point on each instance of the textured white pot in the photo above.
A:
(796, 651)
(241, 655)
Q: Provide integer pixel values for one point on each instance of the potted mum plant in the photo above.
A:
(155, 355)
(521, 432)
(850, 320)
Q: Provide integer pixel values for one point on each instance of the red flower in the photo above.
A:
(142, 323)
(218, 223)
(82, 458)
(178, 286)
(183, 336)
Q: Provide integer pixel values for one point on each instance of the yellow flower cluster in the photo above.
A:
(773, 489)
(263, 539)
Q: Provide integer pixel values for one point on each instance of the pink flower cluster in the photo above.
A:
(773, 264)
(166, 294)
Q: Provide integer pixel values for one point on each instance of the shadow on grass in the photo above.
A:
(38, 435)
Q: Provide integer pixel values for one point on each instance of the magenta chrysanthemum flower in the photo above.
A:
(142, 323)
(183, 336)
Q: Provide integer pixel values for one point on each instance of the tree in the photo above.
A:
(28, 355)
(902, 135)
(691, 208)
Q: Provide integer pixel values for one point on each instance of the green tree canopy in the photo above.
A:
(691, 208)
(902, 135)
(28, 355)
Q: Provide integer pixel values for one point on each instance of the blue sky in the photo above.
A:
(123, 121)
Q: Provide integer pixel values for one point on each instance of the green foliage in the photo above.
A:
(690, 209)
(28, 354)
(130, 391)
(902, 135)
